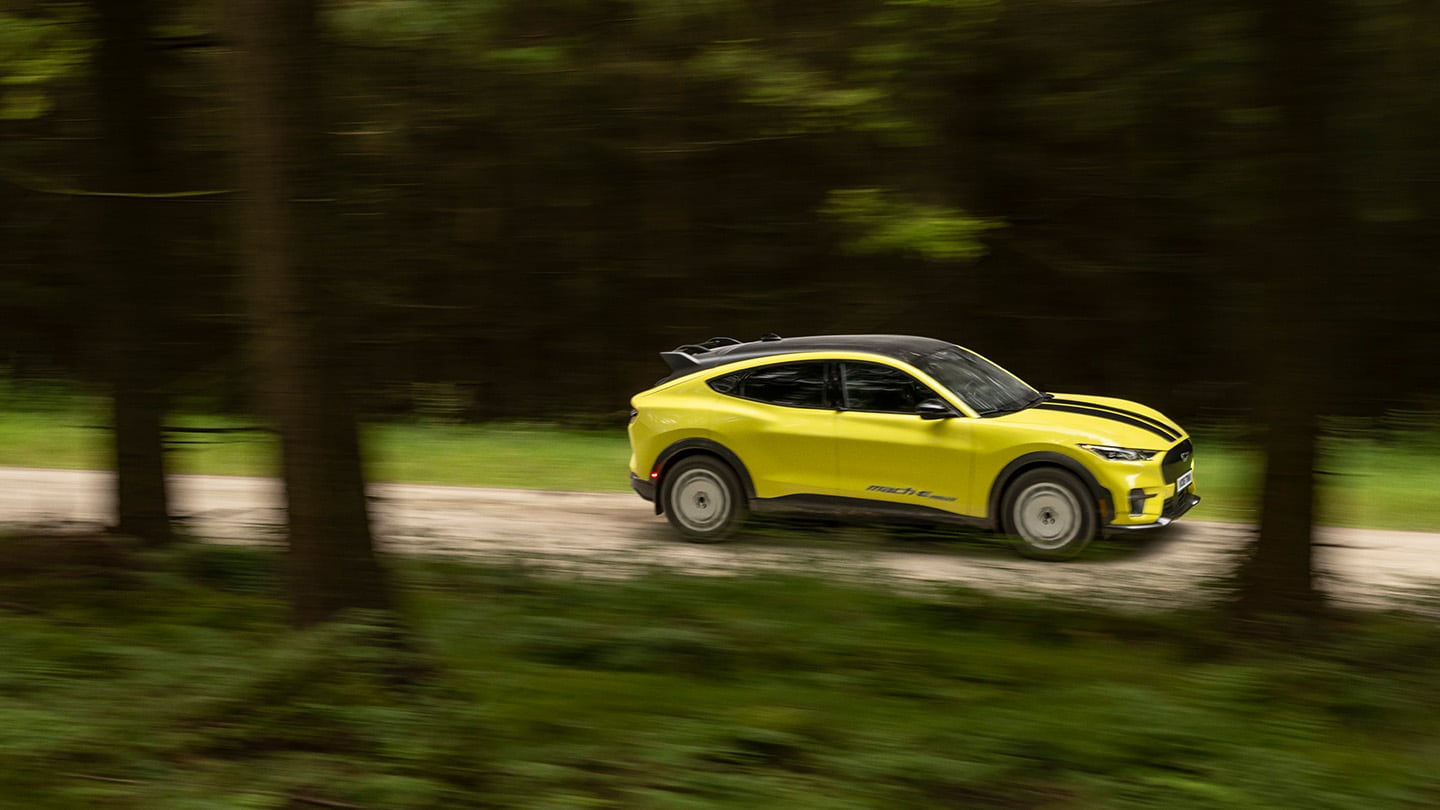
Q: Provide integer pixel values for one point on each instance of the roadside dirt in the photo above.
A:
(608, 534)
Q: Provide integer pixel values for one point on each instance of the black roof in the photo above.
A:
(688, 359)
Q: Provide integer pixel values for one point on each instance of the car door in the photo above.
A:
(885, 451)
(780, 420)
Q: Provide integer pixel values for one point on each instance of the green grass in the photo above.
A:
(70, 440)
(169, 681)
(1369, 483)
(1365, 483)
(524, 456)
(532, 457)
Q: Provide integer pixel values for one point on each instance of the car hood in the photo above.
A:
(1100, 420)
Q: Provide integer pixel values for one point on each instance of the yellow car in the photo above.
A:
(898, 423)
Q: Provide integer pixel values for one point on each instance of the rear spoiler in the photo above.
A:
(679, 361)
(686, 357)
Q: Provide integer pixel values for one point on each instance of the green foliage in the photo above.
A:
(879, 223)
(527, 173)
(809, 99)
(184, 694)
(170, 687)
(47, 395)
(405, 21)
(36, 52)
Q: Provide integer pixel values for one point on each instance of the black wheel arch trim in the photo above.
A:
(1049, 459)
(689, 447)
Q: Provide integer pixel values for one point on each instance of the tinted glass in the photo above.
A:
(872, 387)
(985, 386)
(727, 384)
(798, 385)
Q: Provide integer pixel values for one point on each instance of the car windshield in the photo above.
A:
(984, 386)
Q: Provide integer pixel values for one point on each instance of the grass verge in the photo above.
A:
(169, 681)
(1369, 483)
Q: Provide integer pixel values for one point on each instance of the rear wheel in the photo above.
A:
(703, 499)
(1050, 514)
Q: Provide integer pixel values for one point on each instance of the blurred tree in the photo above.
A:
(49, 318)
(133, 263)
(1300, 252)
(300, 352)
(560, 184)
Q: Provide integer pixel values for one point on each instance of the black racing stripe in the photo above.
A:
(1123, 412)
(1114, 417)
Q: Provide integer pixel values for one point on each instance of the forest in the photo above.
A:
(525, 194)
(325, 221)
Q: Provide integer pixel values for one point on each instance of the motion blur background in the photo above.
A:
(486, 217)
(533, 197)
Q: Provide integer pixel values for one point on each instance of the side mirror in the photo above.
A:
(935, 409)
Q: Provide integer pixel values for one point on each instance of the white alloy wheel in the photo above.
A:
(1050, 514)
(703, 499)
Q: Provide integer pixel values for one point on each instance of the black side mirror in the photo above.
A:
(935, 409)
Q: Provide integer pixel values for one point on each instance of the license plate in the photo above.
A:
(1185, 480)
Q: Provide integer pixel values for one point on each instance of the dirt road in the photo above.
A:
(607, 534)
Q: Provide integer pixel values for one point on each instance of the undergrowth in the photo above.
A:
(171, 680)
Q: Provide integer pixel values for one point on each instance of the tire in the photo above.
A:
(703, 499)
(1049, 514)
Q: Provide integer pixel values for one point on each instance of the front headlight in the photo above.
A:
(1120, 453)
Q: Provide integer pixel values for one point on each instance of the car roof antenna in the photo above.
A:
(768, 336)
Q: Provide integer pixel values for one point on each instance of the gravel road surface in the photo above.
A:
(608, 534)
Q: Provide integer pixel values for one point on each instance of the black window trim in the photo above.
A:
(843, 398)
(829, 389)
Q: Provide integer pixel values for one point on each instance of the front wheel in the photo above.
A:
(1049, 514)
(703, 499)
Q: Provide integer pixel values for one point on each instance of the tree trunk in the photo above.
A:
(1303, 242)
(1414, 292)
(132, 265)
(299, 355)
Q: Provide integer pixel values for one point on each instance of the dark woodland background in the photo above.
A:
(524, 201)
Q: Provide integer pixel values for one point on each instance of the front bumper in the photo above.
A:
(1174, 508)
(644, 488)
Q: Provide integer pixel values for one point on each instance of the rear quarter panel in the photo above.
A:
(786, 451)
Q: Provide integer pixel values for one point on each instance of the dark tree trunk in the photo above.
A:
(132, 265)
(299, 353)
(1413, 294)
(1299, 251)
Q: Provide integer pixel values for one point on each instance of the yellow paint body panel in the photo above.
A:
(947, 464)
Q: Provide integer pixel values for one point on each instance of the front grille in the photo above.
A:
(1177, 461)
(1179, 505)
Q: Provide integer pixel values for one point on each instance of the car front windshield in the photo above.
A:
(984, 386)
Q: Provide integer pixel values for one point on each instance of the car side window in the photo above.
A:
(795, 385)
(882, 389)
